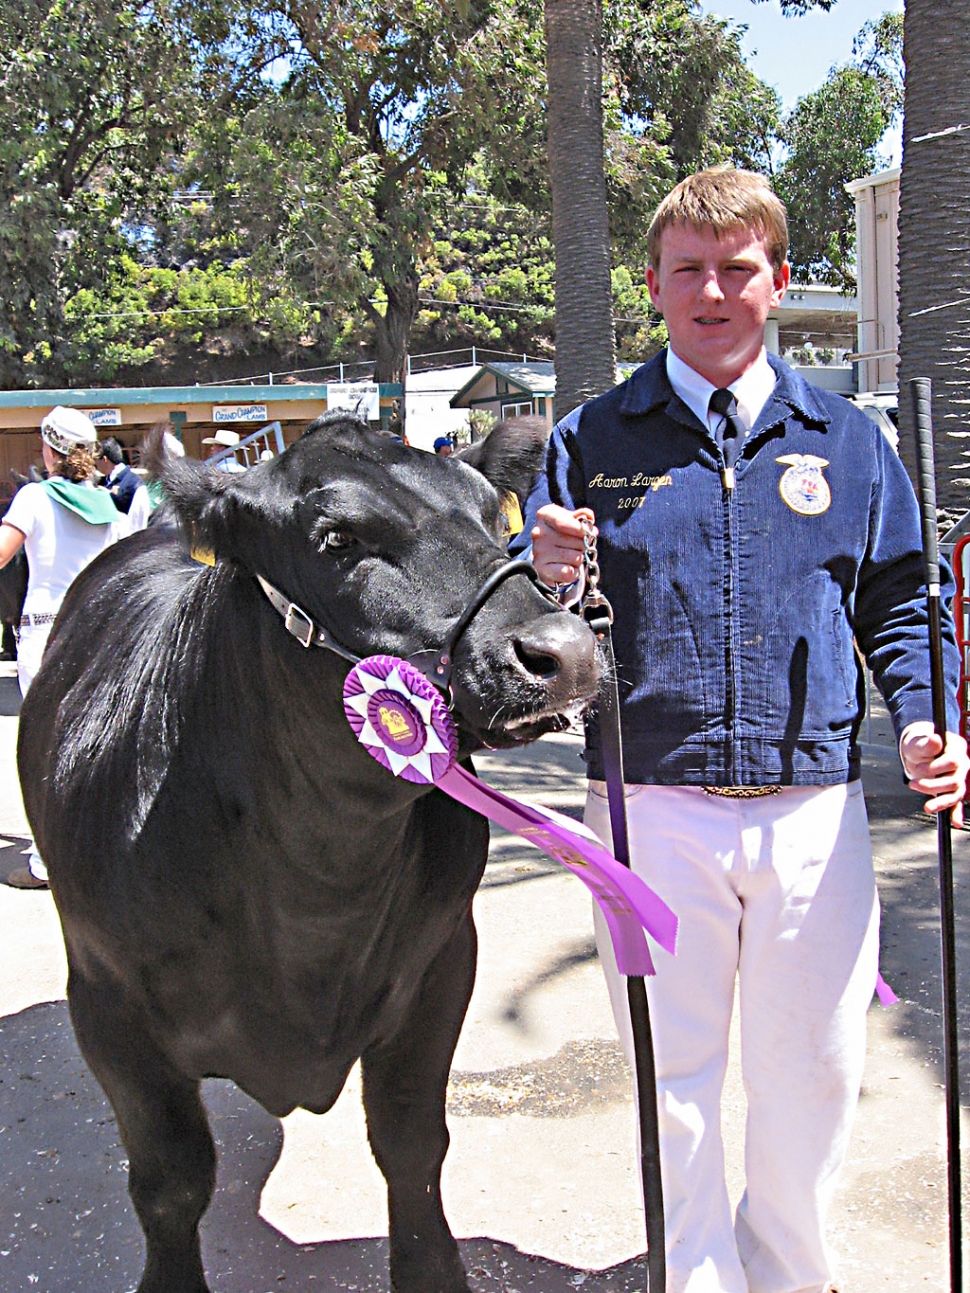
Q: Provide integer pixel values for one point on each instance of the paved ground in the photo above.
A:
(540, 1182)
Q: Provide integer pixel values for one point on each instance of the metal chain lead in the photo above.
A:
(593, 599)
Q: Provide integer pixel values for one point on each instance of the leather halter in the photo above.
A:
(436, 666)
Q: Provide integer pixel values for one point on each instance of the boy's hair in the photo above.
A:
(723, 199)
(111, 450)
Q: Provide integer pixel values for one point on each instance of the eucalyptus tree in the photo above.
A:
(370, 111)
(683, 74)
(831, 136)
(84, 129)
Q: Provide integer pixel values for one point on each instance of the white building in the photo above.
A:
(427, 404)
(877, 269)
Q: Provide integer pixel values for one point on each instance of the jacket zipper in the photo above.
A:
(730, 695)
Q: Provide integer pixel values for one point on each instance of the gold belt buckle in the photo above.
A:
(742, 792)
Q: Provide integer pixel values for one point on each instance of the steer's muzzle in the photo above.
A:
(557, 654)
(530, 680)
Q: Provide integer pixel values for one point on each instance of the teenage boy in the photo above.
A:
(753, 532)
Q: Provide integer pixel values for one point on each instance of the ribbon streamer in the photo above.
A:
(403, 722)
(884, 992)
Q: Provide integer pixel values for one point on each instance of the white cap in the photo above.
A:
(63, 428)
(267, 455)
(173, 445)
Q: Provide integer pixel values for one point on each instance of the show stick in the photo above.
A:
(926, 488)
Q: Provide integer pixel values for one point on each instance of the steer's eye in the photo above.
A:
(337, 541)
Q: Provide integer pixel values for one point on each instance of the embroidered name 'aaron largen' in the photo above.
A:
(639, 480)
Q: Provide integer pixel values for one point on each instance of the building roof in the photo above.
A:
(873, 181)
(535, 378)
(95, 397)
(538, 378)
(816, 310)
(145, 404)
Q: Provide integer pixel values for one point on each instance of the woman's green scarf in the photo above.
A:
(94, 505)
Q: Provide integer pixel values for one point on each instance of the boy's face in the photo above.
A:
(715, 294)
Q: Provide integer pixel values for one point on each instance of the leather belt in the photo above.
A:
(29, 621)
(742, 792)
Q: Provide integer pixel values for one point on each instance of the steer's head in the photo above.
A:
(384, 546)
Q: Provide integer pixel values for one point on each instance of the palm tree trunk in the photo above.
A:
(585, 344)
(934, 239)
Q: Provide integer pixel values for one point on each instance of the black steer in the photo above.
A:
(244, 891)
(13, 591)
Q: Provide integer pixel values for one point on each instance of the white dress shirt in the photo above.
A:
(751, 390)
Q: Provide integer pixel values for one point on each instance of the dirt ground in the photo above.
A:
(540, 1183)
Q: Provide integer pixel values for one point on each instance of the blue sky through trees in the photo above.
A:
(794, 54)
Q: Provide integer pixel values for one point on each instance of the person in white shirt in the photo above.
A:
(62, 523)
(149, 493)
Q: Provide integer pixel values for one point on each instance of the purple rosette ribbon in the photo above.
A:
(400, 719)
(403, 722)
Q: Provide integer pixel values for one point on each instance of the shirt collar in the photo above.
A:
(649, 389)
(752, 389)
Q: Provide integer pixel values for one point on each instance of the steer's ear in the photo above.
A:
(204, 501)
(510, 457)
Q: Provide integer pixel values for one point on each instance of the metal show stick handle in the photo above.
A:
(926, 488)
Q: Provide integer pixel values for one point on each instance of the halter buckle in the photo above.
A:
(299, 624)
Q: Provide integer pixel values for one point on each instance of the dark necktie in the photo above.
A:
(731, 432)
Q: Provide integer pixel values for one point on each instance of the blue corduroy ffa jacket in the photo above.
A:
(739, 610)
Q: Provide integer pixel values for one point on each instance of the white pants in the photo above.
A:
(31, 641)
(780, 893)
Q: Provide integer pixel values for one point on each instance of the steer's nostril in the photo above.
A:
(540, 663)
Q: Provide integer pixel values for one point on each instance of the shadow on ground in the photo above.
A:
(9, 697)
(905, 848)
(66, 1223)
(12, 850)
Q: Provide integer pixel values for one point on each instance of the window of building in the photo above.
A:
(517, 410)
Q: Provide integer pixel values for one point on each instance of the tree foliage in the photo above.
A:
(685, 74)
(378, 106)
(832, 137)
(878, 52)
(330, 178)
(488, 280)
(89, 105)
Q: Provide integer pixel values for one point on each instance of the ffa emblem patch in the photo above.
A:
(803, 487)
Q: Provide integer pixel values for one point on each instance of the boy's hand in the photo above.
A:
(558, 541)
(936, 770)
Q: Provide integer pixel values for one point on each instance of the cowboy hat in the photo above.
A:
(228, 439)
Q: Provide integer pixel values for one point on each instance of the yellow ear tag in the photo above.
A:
(204, 556)
(513, 513)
